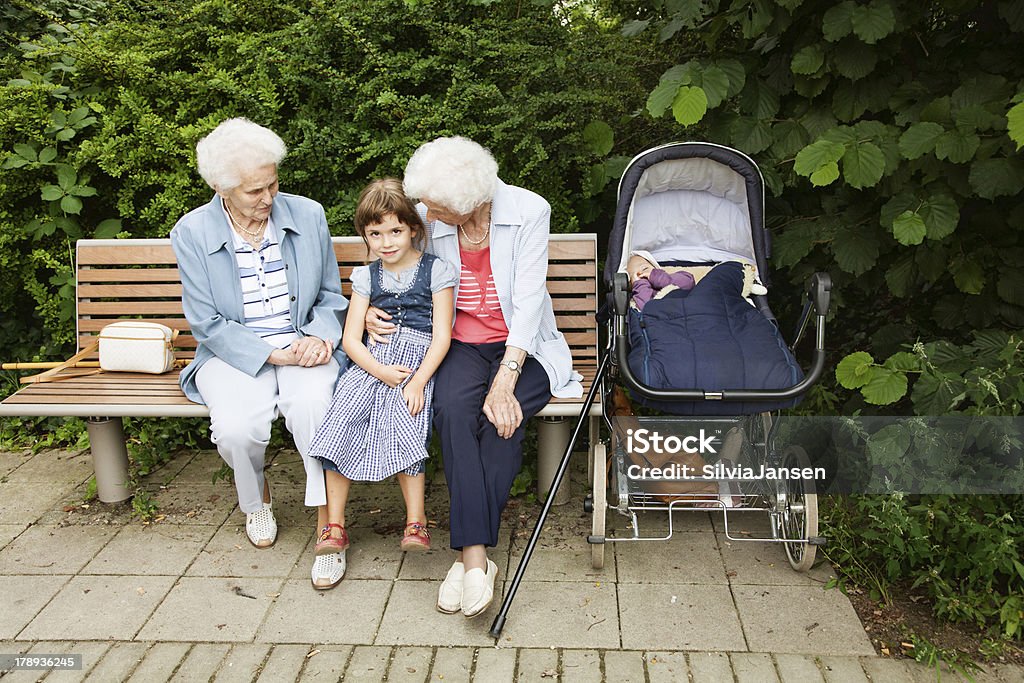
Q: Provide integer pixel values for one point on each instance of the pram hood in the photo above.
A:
(690, 201)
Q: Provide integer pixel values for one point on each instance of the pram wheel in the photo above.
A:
(600, 505)
(798, 508)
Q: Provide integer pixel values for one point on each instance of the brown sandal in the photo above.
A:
(327, 544)
(416, 537)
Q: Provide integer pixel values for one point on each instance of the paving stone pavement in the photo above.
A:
(186, 598)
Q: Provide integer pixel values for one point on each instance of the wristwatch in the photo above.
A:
(513, 365)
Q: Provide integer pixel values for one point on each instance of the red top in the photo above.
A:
(478, 318)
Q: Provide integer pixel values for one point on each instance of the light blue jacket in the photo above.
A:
(212, 296)
(519, 262)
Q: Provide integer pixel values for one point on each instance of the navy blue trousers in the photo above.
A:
(479, 465)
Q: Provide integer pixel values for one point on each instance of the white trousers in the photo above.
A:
(242, 409)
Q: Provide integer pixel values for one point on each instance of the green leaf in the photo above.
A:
(82, 191)
(894, 207)
(51, 193)
(716, 85)
(818, 154)
(25, 151)
(751, 135)
(690, 105)
(838, 21)
(854, 248)
(863, 165)
(941, 215)
(889, 445)
(903, 361)
(884, 387)
(991, 178)
(908, 228)
(826, 175)
(956, 146)
(789, 138)
(759, 99)
(853, 59)
(975, 118)
(756, 18)
(854, 371)
(968, 275)
(919, 139)
(599, 137)
(670, 29)
(873, 22)
(900, 276)
(736, 74)
(795, 243)
(662, 96)
(808, 60)
(47, 154)
(1015, 124)
(935, 393)
(65, 134)
(66, 176)
(15, 161)
(70, 204)
(108, 229)
(634, 27)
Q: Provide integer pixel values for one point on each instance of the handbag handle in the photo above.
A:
(48, 376)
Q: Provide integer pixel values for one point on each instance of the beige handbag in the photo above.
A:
(126, 346)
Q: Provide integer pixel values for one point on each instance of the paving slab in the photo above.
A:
(560, 558)
(66, 467)
(581, 666)
(284, 663)
(160, 662)
(201, 661)
(290, 507)
(667, 667)
(882, 670)
(167, 470)
(765, 564)
(686, 558)
(328, 664)
(655, 522)
(212, 610)
(118, 662)
(410, 664)
(452, 664)
(742, 523)
(495, 665)
(156, 549)
(817, 622)
(99, 608)
(676, 617)
(91, 652)
(24, 503)
(843, 670)
(622, 665)
(370, 556)
(243, 663)
(369, 664)
(11, 460)
(198, 468)
(434, 564)
(54, 549)
(710, 667)
(229, 553)
(351, 613)
(752, 667)
(24, 597)
(8, 532)
(537, 665)
(801, 668)
(411, 618)
(561, 614)
(196, 503)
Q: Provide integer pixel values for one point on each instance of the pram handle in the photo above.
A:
(818, 291)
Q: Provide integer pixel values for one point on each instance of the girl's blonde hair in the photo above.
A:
(386, 196)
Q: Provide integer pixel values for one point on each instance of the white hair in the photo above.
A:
(455, 172)
(234, 148)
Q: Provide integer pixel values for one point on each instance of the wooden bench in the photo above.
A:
(138, 278)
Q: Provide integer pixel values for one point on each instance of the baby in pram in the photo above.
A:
(646, 278)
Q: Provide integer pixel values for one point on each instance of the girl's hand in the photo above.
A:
(503, 411)
(393, 375)
(414, 398)
(377, 326)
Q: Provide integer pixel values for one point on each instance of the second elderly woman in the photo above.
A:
(506, 360)
(263, 297)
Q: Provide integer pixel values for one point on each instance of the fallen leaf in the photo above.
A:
(907, 646)
(549, 673)
(277, 595)
(885, 651)
(140, 590)
(85, 506)
(311, 653)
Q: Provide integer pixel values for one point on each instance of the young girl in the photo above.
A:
(378, 423)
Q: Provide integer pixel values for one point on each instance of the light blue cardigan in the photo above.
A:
(212, 296)
(519, 262)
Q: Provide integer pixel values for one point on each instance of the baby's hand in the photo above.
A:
(414, 398)
(393, 375)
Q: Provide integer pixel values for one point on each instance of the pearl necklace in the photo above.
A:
(253, 234)
(487, 231)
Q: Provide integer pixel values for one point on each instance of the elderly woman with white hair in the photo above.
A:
(506, 359)
(263, 297)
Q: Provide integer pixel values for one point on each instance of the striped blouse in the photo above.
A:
(478, 317)
(265, 289)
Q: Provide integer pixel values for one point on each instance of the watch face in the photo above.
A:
(512, 365)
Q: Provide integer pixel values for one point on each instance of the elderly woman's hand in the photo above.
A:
(310, 351)
(502, 408)
(377, 326)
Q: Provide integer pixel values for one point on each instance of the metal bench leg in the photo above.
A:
(109, 458)
(552, 437)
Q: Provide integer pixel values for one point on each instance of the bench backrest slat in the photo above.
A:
(138, 279)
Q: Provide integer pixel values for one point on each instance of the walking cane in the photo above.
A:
(499, 620)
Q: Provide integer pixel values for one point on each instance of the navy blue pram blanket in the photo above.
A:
(710, 338)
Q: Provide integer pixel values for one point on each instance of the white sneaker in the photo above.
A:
(449, 596)
(478, 589)
(328, 571)
(261, 527)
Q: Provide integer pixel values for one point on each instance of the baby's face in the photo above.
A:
(638, 267)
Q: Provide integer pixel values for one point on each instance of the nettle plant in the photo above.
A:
(888, 134)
